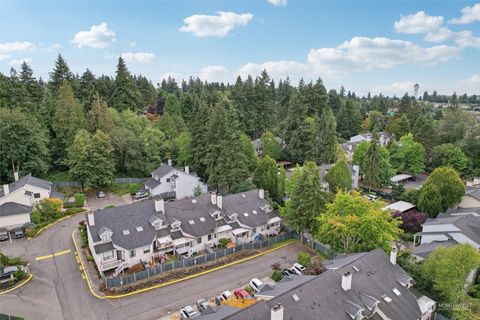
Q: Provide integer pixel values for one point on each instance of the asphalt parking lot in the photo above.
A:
(95, 203)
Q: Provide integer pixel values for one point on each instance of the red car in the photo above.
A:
(241, 293)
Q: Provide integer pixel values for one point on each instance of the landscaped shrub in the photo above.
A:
(84, 236)
(316, 267)
(223, 242)
(71, 211)
(304, 259)
(133, 188)
(250, 290)
(110, 206)
(276, 275)
(411, 220)
(79, 199)
(276, 266)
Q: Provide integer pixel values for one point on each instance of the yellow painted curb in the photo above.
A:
(54, 223)
(30, 276)
(176, 280)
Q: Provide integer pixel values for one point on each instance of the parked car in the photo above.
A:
(141, 195)
(256, 284)
(371, 197)
(6, 274)
(202, 304)
(3, 234)
(241, 293)
(298, 268)
(188, 313)
(288, 273)
(18, 233)
(226, 295)
(101, 194)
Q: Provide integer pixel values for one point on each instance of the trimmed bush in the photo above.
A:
(304, 259)
(79, 199)
(276, 276)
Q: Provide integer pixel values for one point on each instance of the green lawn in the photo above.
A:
(124, 188)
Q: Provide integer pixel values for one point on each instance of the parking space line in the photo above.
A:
(48, 256)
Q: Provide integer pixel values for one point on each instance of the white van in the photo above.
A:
(256, 284)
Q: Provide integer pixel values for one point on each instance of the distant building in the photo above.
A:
(169, 182)
(471, 198)
(369, 285)
(350, 146)
(399, 206)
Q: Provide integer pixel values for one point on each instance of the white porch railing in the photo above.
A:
(120, 268)
(110, 265)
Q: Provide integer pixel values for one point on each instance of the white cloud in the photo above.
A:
(439, 35)
(278, 3)
(140, 57)
(470, 85)
(357, 54)
(132, 44)
(4, 56)
(469, 15)
(419, 22)
(97, 37)
(10, 47)
(18, 62)
(397, 88)
(216, 25)
(214, 74)
(466, 39)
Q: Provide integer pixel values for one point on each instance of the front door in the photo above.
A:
(120, 255)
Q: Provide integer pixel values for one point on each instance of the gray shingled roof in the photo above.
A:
(468, 224)
(13, 208)
(162, 170)
(323, 298)
(103, 247)
(474, 193)
(151, 183)
(195, 218)
(424, 250)
(28, 180)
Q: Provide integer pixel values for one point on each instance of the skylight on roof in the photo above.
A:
(126, 232)
(202, 219)
(295, 297)
(139, 229)
(254, 211)
(386, 298)
(191, 221)
(194, 201)
(396, 291)
(245, 214)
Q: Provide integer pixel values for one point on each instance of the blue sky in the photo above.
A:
(377, 46)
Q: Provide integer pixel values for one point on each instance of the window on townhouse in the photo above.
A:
(146, 249)
(168, 179)
(105, 238)
(199, 240)
(36, 195)
(209, 237)
(187, 244)
(108, 255)
(132, 253)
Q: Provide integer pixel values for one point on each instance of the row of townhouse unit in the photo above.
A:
(122, 237)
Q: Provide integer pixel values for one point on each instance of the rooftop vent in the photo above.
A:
(245, 214)
(191, 221)
(126, 232)
(194, 201)
(243, 196)
(202, 219)
(295, 297)
(355, 268)
(396, 291)
(386, 298)
(139, 229)
(254, 211)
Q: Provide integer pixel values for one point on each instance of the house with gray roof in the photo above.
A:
(471, 198)
(456, 226)
(144, 231)
(370, 286)
(169, 182)
(18, 198)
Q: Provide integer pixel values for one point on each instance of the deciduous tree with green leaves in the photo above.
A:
(449, 184)
(430, 200)
(339, 177)
(352, 223)
(266, 177)
(408, 155)
(270, 146)
(449, 155)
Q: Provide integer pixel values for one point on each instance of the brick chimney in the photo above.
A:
(347, 281)
(6, 189)
(276, 312)
(91, 219)
(219, 200)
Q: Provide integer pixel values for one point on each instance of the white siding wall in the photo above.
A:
(19, 196)
(139, 255)
(14, 221)
(184, 185)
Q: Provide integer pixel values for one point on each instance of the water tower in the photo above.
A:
(415, 90)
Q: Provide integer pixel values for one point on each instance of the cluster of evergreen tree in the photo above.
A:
(208, 126)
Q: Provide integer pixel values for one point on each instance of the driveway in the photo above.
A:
(110, 199)
(57, 290)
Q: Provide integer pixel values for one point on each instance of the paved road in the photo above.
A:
(57, 290)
